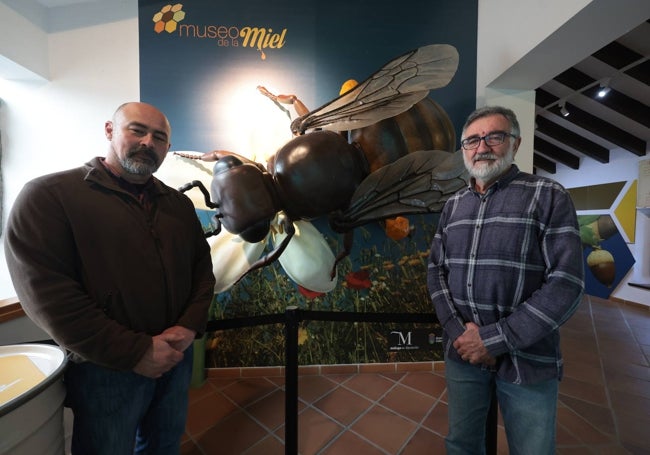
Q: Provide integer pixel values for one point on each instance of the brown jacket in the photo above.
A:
(99, 272)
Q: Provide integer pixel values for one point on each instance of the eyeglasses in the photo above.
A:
(491, 139)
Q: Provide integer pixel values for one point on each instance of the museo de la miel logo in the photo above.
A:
(171, 19)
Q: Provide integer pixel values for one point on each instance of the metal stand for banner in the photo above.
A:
(291, 320)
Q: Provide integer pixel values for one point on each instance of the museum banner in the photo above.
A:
(233, 78)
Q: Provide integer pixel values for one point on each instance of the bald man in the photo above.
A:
(114, 266)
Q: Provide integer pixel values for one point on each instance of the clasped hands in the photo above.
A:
(470, 347)
(165, 352)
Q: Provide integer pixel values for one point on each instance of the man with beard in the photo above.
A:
(505, 272)
(114, 266)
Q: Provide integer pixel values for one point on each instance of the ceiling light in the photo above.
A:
(604, 88)
(563, 110)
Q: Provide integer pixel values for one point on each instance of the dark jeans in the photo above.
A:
(528, 411)
(119, 413)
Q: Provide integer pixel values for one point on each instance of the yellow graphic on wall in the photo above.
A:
(625, 212)
(616, 199)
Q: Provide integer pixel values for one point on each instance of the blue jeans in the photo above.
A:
(528, 411)
(119, 413)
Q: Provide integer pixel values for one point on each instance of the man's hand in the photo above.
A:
(178, 337)
(471, 348)
(160, 357)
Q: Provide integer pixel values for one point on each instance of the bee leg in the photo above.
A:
(215, 222)
(298, 105)
(271, 257)
(214, 155)
(206, 195)
(348, 239)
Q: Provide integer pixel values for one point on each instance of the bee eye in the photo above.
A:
(257, 232)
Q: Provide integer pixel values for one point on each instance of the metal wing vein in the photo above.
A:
(393, 89)
(420, 182)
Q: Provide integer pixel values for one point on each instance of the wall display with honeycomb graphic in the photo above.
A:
(201, 62)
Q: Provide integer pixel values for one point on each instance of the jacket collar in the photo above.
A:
(97, 173)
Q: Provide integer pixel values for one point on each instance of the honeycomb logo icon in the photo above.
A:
(168, 17)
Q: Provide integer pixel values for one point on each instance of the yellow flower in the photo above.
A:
(303, 336)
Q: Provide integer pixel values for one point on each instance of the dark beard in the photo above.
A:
(134, 163)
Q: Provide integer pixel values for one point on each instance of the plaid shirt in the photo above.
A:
(511, 262)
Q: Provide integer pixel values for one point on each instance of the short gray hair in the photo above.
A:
(487, 111)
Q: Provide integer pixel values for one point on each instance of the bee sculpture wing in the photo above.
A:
(393, 89)
(420, 182)
(308, 259)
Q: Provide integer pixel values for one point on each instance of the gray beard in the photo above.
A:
(489, 171)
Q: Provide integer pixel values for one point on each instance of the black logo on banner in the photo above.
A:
(413, 339)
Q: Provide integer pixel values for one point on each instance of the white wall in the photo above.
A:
(506, 35)
(23, 48)
(58, 124)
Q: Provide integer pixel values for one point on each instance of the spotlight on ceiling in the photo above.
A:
(604, 88)
(563, 110)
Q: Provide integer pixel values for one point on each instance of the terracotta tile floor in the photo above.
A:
(604, 403)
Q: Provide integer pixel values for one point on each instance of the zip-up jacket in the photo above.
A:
(100, 271)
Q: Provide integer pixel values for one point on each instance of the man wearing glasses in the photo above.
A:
(505, 271)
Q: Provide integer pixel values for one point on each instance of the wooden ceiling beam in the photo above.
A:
(623, 104)
(593, 124)
(640, 72)
(603, 129)
(574, 79)
(539, 162)
(615, 100)
(557, 154)
(617, 55)
(573, 140)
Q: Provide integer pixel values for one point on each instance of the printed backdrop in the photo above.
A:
(201, 62)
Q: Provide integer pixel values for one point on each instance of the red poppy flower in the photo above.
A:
(358, 280)
(309, 294)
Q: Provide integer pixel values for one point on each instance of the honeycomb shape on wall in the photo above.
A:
(168, 17)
